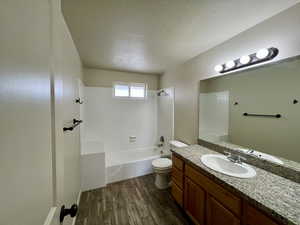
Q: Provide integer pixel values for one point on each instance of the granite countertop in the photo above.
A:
(273, 194)
(289, 169)
(286, 163)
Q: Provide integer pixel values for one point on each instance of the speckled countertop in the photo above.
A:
(289, 169)
(273, 194)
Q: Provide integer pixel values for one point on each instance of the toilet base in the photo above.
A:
(162, 181)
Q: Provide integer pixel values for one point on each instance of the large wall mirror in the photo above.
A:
(256, 109)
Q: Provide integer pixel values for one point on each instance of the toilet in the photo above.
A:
(162, 167)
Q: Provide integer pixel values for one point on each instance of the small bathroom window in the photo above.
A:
(130, 90)
(137, 90)
(121, 90)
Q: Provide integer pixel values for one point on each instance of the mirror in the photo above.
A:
(256, 109)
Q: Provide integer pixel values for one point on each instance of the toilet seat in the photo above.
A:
(162, 163)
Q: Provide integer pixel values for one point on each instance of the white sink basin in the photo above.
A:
(261, 155)
(223, 165)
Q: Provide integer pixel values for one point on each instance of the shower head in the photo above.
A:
(162, 93)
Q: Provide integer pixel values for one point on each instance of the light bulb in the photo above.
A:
(263, 53)
(218, 68)
(230, 64)
(245, 59)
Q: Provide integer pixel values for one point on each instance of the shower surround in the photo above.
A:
(127, 130)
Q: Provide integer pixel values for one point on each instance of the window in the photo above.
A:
(137, 91)
(121, 90)
(130, 90)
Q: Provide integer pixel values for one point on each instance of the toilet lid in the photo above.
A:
(162, 163)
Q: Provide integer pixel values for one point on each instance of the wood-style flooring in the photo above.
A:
(135, 201)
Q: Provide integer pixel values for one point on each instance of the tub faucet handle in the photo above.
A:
(241, 159)
(228, 154)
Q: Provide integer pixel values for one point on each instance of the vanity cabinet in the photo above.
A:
(177, 177)
(177, 194)
(217, 214)
(194, 201)
(208, 203)
(255, 217)
(177, 180)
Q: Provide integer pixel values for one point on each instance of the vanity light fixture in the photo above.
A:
(262, 55)
(245, 59)
(230, 64)
(219, 68)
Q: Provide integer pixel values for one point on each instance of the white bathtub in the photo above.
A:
(122, 165)
(92, 162)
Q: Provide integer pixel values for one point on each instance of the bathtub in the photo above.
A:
(122, 165)
(92, 165)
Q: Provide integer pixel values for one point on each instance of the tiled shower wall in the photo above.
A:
(113, 121)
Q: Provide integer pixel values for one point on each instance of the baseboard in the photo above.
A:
(51, 216)
(95, 188)
(77, 202)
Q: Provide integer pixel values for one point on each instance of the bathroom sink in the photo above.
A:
(222, 164)
(261, 155)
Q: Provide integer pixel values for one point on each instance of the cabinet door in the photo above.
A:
(217, 214)
(254, 217)
(177, 177)
(194, 201)
(177, 194)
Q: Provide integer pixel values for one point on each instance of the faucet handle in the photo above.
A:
(241, 158)
(228, 154)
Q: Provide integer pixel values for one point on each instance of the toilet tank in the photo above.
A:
(177, 144)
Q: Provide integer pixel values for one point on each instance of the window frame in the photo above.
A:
(130, 85)
(123, 84)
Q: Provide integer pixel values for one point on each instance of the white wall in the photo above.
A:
(214, 115)
(112, 120)
(37, 54)
(106, 78)
(25, 131)
(281, 31)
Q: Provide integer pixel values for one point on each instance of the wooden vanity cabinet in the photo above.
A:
(177, 180)
(254, 217)
(217, 214)
(194, 201)
(208, 203)
(219, 206)
(177, 194)
(177, 177)
(230, 201)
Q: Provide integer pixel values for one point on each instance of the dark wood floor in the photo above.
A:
(134, 201)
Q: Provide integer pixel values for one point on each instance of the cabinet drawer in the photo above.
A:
(178, 163)
(255, 217)
(177, 194)
(177, 177)
(230, 201)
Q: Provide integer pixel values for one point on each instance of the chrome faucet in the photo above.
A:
(235, 158)
(161, 141)
(250, 151)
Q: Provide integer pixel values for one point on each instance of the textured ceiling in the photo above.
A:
(150, 35)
